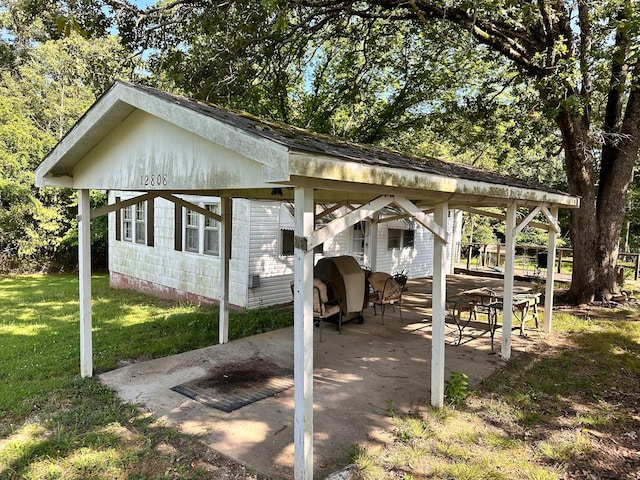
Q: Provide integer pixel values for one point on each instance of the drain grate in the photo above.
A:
(232, 386)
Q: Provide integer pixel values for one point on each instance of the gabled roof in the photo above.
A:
(300, 140)
(288, 155)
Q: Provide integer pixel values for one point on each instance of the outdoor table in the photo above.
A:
(482, 305)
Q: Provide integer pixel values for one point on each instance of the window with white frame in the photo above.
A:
(141, 223)
(135, 224)
(196, 232)
(127, 224)
(357, 240)
(192, 231)
(400, 238)
(212, 232)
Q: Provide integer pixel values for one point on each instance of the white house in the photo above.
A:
(174, 251)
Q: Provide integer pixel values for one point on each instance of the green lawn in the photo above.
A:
(567, 409)
(55, 425)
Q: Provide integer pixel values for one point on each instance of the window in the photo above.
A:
(135, 223)
(357, 239)
(196, 232)
(286, 242)
(192, 232)
(127, 224)
(211, 232)
(141, 224)
(408, 238)
(399, 238)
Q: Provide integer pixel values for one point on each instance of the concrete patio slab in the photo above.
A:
(358, 375)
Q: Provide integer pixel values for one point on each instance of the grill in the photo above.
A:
(346, 282)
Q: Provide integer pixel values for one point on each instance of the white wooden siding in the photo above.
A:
(255, 252)
(189, 272)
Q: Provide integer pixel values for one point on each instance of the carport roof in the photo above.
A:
(298, 157)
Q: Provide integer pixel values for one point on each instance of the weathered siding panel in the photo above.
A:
(256, 248)
(275, 270)
(416, 262)
(163, 266)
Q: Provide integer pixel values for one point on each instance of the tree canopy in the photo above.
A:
(511, 78)
(547, 91)
(52, 71)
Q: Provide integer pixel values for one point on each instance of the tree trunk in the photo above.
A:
(596, 225)
(583, 226)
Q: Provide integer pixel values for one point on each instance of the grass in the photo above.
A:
(568, 410)
(545, 415)
(55, 425)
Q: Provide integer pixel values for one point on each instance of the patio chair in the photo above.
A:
(386, 291)
(323, 308)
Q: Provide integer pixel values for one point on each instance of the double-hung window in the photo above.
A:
(135, 223)
(141, 223)
(127, 224)
(196, 232)
(192, 232)
(212, 232)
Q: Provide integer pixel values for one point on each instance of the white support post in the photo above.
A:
(454, 234)
(439, 299)
(303, 335)
(226, 212)
(84, 267)
(551, 271)
(509, 261)
(373, 242)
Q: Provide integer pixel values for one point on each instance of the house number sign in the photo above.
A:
(153, 180)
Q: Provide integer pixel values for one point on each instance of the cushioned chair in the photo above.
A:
(386, 291)
(324, 308)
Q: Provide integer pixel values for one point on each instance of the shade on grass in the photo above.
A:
(39, 332)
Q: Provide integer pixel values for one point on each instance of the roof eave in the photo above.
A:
(331, 169)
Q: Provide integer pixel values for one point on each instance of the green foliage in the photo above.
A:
(456, 388)
(54, 424)
(398, 84)
(47, 86)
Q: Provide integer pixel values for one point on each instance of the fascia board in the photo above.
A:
(329, 168)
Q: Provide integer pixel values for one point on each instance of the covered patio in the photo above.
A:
(142, 140)
(358, 375)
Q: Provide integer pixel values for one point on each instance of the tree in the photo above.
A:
(582, 59)
(574, 64)
(53, 69)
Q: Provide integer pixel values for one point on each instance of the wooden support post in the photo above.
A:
(226, 212)
(551, 259)
(303, 335)
(559, 261)
(637, 269)
(509, 265)
(438, 308)
(84, 268)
